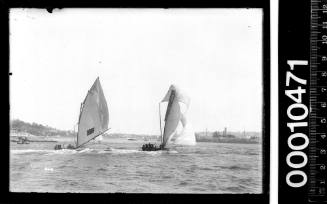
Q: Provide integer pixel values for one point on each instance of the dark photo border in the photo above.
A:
(9, 197)
(301, 38)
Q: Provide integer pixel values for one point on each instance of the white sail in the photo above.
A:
(172, 119)
(177, 108)
(94, 116)
(187, 136)
(181, 96)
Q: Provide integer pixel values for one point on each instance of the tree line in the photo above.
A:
(37, 129)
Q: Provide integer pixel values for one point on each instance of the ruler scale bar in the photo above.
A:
(317, 99)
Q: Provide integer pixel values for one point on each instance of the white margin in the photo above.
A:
(273, 189)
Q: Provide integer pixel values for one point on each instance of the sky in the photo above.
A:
(215, 55)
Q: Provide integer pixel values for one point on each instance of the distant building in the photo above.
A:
(254, 138)
(17, 133)
(230, 136)
(225, 132)
(216, 134)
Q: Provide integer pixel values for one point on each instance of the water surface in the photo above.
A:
(204, 168)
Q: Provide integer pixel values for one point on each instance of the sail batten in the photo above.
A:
(94, 115)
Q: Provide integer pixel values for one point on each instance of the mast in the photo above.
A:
(76, 136)
(160, 124)
(79, 117)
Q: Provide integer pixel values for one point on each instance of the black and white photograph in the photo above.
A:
(107, 100)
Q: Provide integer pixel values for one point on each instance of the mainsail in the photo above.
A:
(177, 108)
(94, 116)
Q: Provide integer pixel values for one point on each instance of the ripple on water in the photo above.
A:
(62, 167)
(252, 153)
(183, 183)
(193, 167)
(198, 189)
(73, 183)
(111, 183)
(234, 167)
(206, 169)
(21, 168)
(189, 171)
(166, 176)
(211, 186)
(101, 169)
(235, 189)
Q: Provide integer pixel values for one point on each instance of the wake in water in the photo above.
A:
(92, 151)
(26, 151)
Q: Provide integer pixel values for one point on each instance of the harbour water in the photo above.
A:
(118, 165)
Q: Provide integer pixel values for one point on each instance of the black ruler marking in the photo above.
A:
(317, 185)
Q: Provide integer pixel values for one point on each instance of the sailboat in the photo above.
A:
(176, 114)
(93, 118)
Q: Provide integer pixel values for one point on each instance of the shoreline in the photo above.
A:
(202, 140)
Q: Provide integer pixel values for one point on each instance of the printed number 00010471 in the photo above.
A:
(297, 124)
